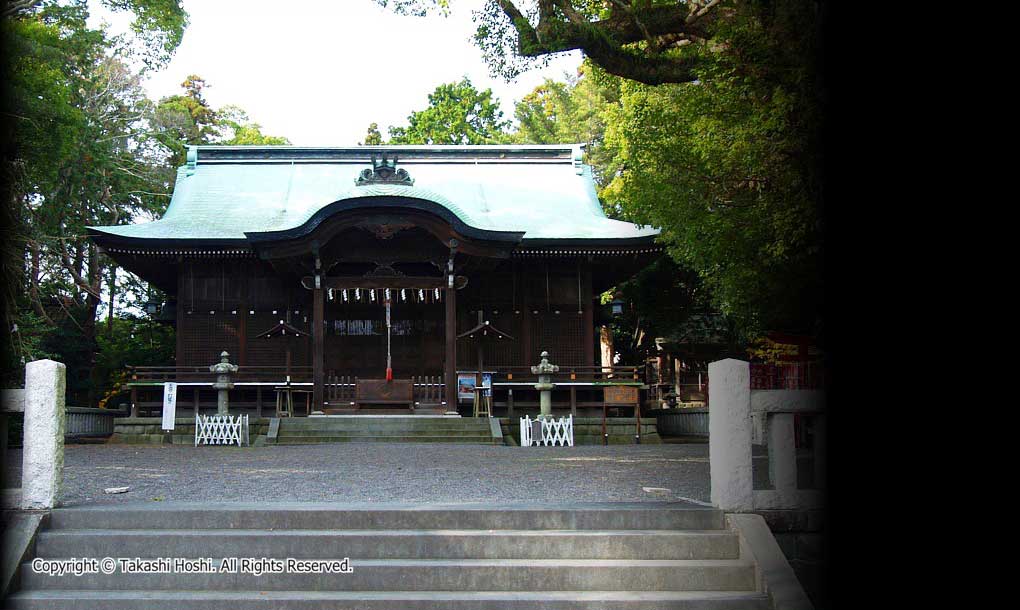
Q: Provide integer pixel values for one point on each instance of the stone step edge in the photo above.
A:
(611, 595)
(510, 563)
(240, 532)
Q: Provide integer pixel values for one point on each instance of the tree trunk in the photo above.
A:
(606, 347)
(113, 295)
(33, 283)
(92, 303)
(79, 265)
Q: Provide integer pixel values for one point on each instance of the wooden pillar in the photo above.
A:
(318, 332)
(526, 346)
(242, 316)
(179, 331)
(134, 401)
(450, 368)
(587, 298)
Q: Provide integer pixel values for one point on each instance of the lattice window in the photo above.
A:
(272, 351)
(562, 335)
(496, 352)
(205, 335)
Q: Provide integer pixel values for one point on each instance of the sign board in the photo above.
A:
(621, 395)
(466, 384)
(169, 405)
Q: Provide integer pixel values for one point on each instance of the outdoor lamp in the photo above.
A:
(617, 304)
(151, 307)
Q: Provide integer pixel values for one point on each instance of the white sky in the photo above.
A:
(319, 71)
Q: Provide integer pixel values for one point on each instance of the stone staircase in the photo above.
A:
(461, 557)
(409, 429)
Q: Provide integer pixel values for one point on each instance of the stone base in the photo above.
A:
(588, 430)
(149, 431)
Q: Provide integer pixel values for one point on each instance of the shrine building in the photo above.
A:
(384, 279)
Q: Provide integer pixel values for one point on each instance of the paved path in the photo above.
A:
(382, 472)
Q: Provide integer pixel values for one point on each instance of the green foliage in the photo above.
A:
(574, 111)
(241, 130)
(87, 148)
(158, 25)
(188, 119)
(416, 8)
(727, 167)
(666, 296)
(135, 341)
(457, 114)
(27, 333)
(372, 136)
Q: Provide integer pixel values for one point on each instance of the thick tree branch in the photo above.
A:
(76, 276)
(15, 7)
(33, 283)
(606, 41)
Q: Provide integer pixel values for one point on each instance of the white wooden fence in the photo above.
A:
(552, 431)
(221, 430)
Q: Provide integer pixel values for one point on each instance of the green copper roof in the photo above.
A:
(225, 191)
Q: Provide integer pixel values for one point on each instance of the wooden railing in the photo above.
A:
(340, 389)
(428, 390)
(303, 374)
(591, 374)
(185, 374)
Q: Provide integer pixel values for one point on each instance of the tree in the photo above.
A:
(457, 114)
(188, 119)
(236, 128)
(158, 25)
(372, 136)
(649, 41)
(574, 111)
(728, 167)
(81, 153)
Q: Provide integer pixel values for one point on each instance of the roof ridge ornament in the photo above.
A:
(384, 172)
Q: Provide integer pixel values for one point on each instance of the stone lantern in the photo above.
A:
(544, 370)
(223, 370)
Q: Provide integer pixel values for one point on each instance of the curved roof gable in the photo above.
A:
(225, 191)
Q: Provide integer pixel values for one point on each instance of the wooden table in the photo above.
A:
(285, 397)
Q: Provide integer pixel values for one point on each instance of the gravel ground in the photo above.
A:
(380, 472)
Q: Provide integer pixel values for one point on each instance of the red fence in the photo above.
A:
(788, 376)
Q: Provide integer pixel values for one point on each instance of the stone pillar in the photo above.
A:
(223, 385)
(729, 434)
(43, 453)
(544, 370)
(782, 453)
